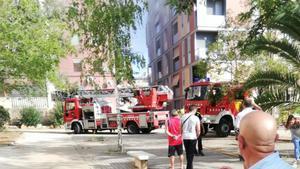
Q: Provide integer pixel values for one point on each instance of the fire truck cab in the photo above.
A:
(217, 105)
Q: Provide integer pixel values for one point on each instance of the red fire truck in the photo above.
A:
(141, 109)
(218, 104)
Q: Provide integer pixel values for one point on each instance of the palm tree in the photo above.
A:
(278, 88)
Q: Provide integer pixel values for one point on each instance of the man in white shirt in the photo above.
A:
(247, 103)
(190, 132)
(247, 109)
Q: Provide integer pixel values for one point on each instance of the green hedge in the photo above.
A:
(30, 116)
(56, 118)
(4, 117)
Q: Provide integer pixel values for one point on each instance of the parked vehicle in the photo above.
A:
(141, 109)
(218, 104)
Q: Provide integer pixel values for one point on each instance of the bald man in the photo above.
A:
(258, 133)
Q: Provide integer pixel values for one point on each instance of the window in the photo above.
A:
(195, 19)
(157, 27)
(70, 106)
(159, 69)
(189, 49)
(215, 7)
(158, 47)
(175, 32)
(176, 91)
(77, 66)
(197, 93)
(165, 40)
(176, 64)
(175, 28)
(183, 53)
(204, 39)
(166, 64)
(182, 21)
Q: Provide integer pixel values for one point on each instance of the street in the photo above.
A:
(56, 149)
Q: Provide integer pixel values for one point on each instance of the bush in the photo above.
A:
(4, 117)
(57, 115)
(30, 116)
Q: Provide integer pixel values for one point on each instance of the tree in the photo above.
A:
(32, 43)
(225, 56)
(182, 6)
(275, 31)
(104, 31)
(200, 69)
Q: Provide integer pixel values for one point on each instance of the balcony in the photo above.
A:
(210, 22)
(211, 15)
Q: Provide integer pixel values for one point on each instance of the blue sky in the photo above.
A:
(138, 43)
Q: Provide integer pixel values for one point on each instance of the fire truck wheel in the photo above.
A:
(146, 131)
(76, 128)
(132, 128)
(223, 129)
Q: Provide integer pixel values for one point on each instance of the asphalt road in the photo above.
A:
(57, 149)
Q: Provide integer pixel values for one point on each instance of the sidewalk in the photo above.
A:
(59, 150)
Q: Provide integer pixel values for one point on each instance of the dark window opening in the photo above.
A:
(176, 64)
(215, 7)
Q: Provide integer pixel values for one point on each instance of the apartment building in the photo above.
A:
(176, 42)
(71, 68)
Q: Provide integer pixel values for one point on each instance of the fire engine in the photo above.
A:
(218, 103)
(141, 109)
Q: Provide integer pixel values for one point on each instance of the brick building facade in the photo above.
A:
(176, 42)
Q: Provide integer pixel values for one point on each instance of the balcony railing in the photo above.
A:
(210, 21)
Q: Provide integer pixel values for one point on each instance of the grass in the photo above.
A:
(8, 137)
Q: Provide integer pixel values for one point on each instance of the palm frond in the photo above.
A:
(289, 28)
(269, 78)
(283, 48)
(278, 97)
(288, 23)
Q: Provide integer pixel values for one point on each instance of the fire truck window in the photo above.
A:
(147, 92)
(203, 95)
(189, 94)
(70, 106)
(197, 93)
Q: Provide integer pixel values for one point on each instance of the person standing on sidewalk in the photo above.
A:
(173, 130)
(190, 132)
(247, 104)
(200, 146)
(293, 125)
